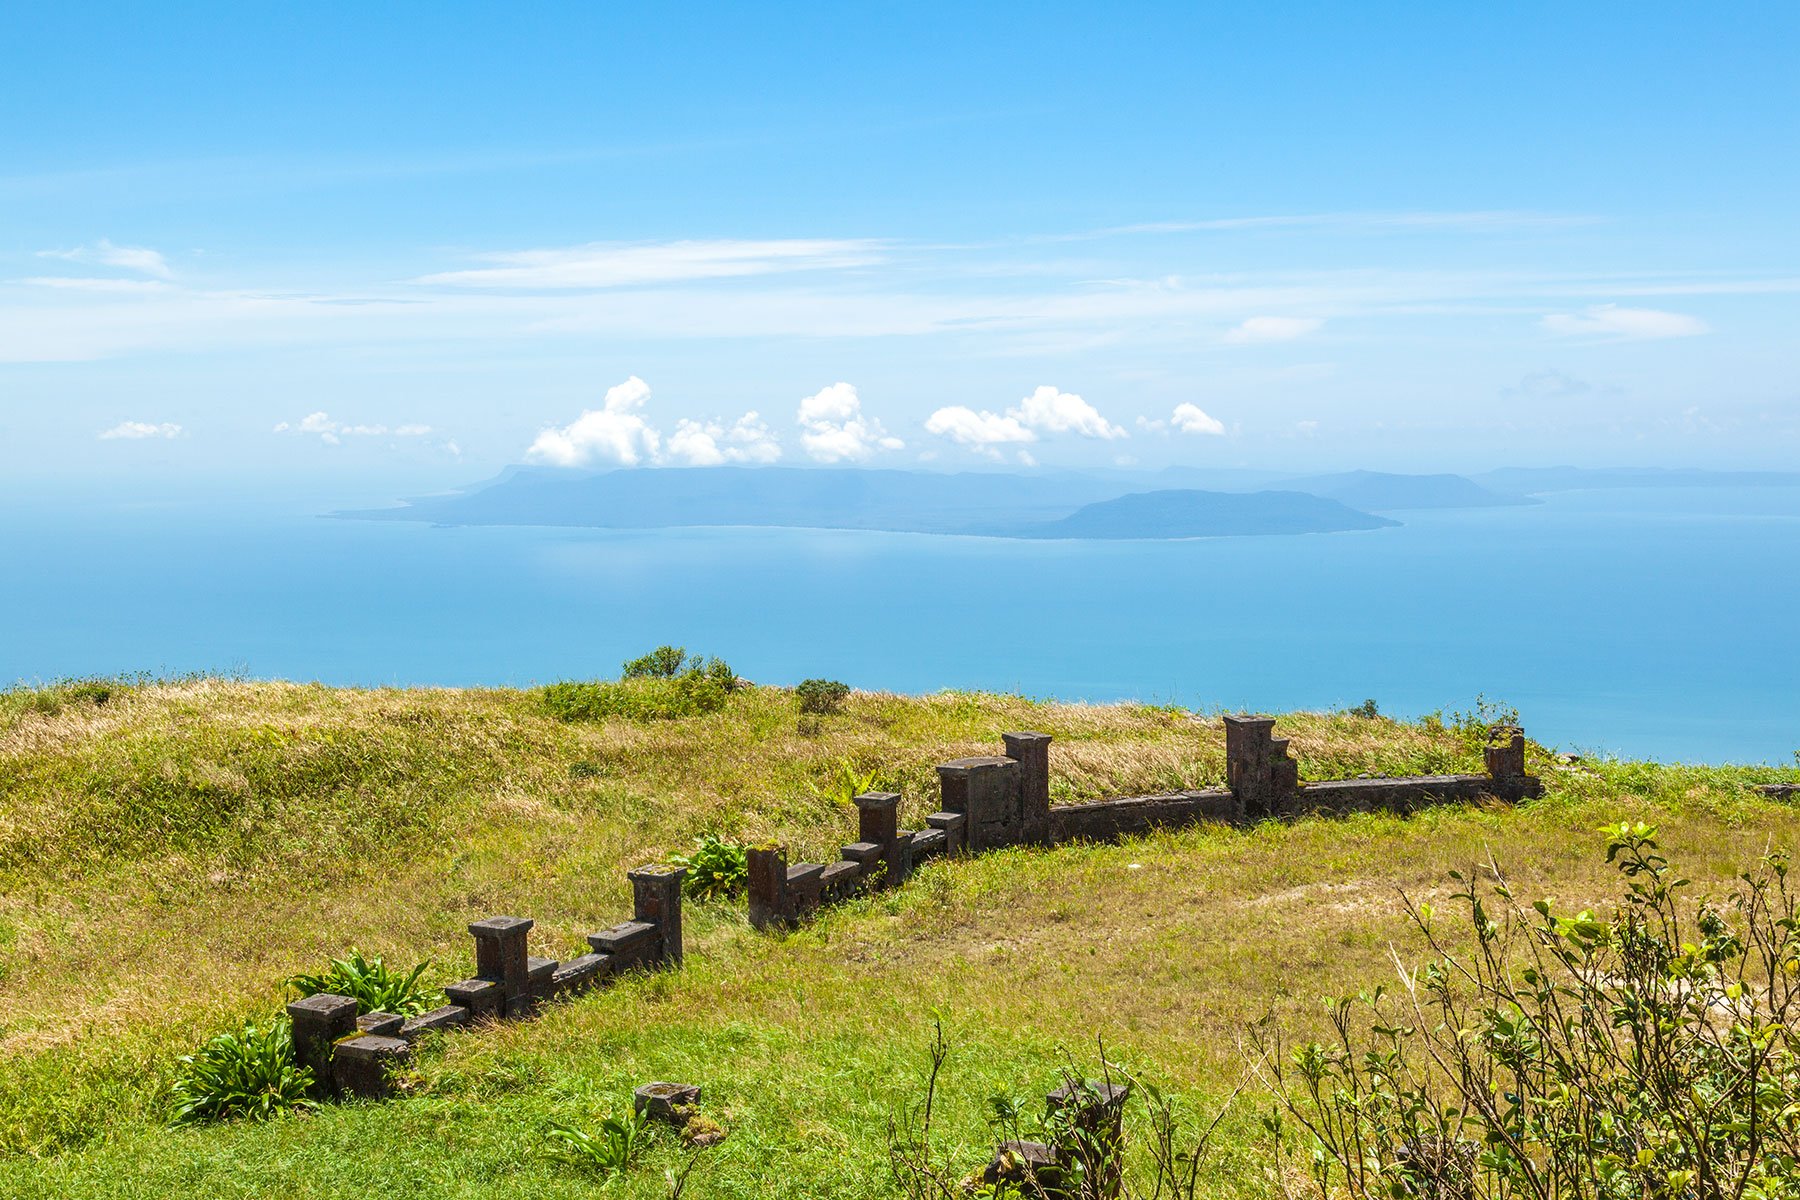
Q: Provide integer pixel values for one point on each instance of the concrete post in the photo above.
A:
(768, 886)
(656, 899)
(500, 955)
(319, 1021)
(878, 823)
(1032, 752)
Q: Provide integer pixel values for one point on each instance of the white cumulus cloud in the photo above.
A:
(1191, 418)
(712, 444)
(981, 430)
(1046, 410)
(136, 430)
(1611, 322)
(1063, 412)
(1271, 329)
(614, 432)
(834, 428)
(104, 253)
(333, 433)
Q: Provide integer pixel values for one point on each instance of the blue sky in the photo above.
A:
(394, 247)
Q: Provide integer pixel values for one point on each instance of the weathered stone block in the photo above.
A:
(365, 1065)
(500, 952)
(928, 843)
(579, 974)
(954, 826)
(450, 1016)
(863, 854)
(986, 791)
(629, 944)
(1262, 778)
(840, 880)
(877, 817)
(670, 1102)
(385, 1024)
(767, 885)
(805, 888)
(656, 899)
(1030, 1166)
(484, 999)
(1032, 752)
(319, 1022)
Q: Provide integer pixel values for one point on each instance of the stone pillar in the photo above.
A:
(319, 1021)
(986, 790)
(1258, 769)
(501, 958)
(366, 1065)
(1505, 752)
(1032, 752)
(878, 823)
(656, 899)
(768, 886)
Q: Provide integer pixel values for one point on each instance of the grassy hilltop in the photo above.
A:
(169, 853)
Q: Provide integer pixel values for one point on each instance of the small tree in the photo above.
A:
(822, 696)
(664, 662)
(1649, 1052)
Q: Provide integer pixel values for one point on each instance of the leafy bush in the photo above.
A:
(664, 662)
(717, 869)
(647, 699)
(1649, 1051)
(663, 685)
(822, 696)
(1368, 708)
(612, 1149)
(374, 985)
(248, 1073)
(847, 783)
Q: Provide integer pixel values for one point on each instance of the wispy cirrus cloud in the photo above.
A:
(627, 264)
(135, 431)
(1271, 329)
(1610, 322)
(333, 433)
(105, 253)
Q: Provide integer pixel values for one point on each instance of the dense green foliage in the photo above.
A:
(250, 1072)
(717, 869)
(665, 684)
(822, 697)
(1648, 1049)
(613, 1147)
(375, 986)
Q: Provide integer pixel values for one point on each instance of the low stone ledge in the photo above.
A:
(579, 974)
(483, 998)
(450, 1016)
(386, 1024)
(1779, 791)
(1108, 820)
(364, 1066)
(627, 940)
(841, 880)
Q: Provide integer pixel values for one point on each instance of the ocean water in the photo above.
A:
(1656, 623)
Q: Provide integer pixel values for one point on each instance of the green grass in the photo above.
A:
(170, 855)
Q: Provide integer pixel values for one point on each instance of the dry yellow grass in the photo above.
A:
(169, 856)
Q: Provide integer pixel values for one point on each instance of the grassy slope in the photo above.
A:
(168, 856)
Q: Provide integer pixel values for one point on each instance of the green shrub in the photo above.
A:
(1651, 1049)
(642, 699)
(1367, 709)
(247, 1073)
(821, 696)
(664, 662)
(374, 985)
(847, 783)
(612, 1149)
(717, 869)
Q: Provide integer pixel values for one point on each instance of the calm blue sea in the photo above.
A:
(1653, 623)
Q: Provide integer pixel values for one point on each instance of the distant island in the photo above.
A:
(1175, 503)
